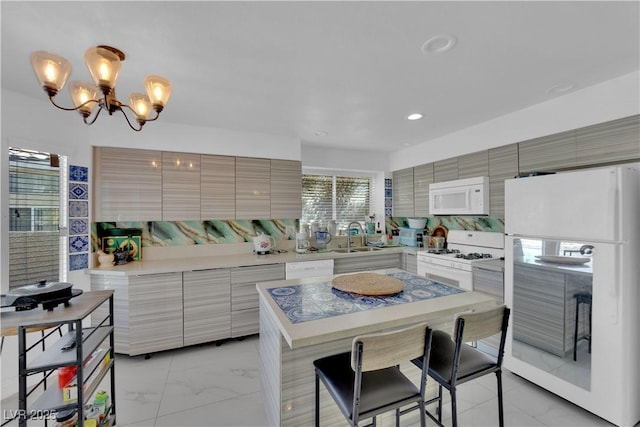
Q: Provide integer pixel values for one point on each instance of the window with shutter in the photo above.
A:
(34, 217)
(332, 197)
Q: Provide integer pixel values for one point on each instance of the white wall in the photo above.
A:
(606, 101)
(338, 159)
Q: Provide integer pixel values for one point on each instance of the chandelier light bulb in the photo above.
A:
(81, 94)
(140, 104)
(104, 65)
(159, 90)
(51, 70)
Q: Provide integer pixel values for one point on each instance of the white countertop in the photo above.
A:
(225, 261)
(347, 325)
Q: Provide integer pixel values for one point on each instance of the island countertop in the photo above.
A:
(302, 320)
(324, 328)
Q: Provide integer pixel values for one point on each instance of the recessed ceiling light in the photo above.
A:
(415, 116)
(439, 44)
(560, 88)
(321, 133)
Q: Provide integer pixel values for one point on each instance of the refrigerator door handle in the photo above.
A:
(612, 205)
(613, 284)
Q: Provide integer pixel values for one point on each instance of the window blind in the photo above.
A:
(34, 217)
(328, 197)
(352, 200)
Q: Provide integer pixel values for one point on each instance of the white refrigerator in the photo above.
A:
(572, 270)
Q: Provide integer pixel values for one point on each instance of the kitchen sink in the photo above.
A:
(359, 249)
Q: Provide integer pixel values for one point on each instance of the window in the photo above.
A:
(331, 197)
(34, 217)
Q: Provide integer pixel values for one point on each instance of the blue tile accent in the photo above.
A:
(388, 192)
(78, 261)
(301, 303)
(388, 202)
(78, 226)
(78, 173)
(78, 191)
(388, 183)
(388, 212)
(78, 209)
(79, 243)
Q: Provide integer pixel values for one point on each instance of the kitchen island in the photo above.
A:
(303, 320)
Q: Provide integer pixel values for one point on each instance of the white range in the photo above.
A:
(454, 265)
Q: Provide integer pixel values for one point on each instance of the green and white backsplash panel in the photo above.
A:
(471, 223)
(212, 232)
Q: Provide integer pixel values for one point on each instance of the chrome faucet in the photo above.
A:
(363, 238)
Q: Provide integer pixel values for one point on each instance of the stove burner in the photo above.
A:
(271, 252)
(474, 255)
(443, 251)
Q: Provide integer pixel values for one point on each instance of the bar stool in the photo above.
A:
(581, 298)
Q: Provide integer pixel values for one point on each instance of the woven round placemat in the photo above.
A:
(371, 284)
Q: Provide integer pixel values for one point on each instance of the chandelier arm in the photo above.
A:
(155, 118)
(133, 111)
(94, 117)
(72, 109)
(128, 121)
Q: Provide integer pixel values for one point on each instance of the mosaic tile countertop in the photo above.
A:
(305, 302)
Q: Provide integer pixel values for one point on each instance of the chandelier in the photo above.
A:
(104, 64)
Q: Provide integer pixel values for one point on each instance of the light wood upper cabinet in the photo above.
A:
(253, 188)
(503, 164)
(445, 170)
(609, 142)
(180, 186)
(548, 153)
(286, 189)
(473, 164)
(127, 184)
(217, 187)
(403, 192)
(422, 177)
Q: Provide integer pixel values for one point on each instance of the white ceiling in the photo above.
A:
(354, 70)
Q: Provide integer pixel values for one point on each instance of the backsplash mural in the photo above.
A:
(183, 233)
(471, 223)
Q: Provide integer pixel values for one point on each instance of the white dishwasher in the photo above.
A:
(304, 269)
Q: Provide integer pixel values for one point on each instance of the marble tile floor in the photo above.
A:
(211, 385)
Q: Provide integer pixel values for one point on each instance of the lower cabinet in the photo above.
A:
(206, 297)
(410, 262)
(244, 296)
(147, 311)
(369, 262)
(155, 312)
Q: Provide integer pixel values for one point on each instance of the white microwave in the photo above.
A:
(468, 196)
